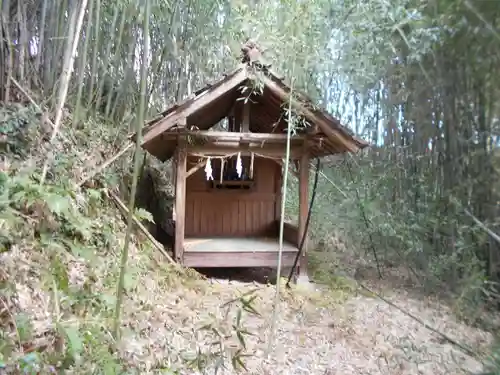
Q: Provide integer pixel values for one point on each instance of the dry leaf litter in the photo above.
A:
(318, 332)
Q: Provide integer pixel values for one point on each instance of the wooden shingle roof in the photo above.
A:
(207, 106)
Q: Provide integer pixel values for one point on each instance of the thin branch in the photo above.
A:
(365, 219)
(332, 183)
(495, 236)
(106, 164)
(13, 322)
(121, 206)
(28, 96)
(421, 322)
(197, 167)
(478, 14)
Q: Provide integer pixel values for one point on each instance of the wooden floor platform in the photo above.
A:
(236, 252)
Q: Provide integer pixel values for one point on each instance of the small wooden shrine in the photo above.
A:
(229, 141)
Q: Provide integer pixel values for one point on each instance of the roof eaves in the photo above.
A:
(191, 105)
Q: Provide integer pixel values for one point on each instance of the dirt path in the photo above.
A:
(319, 332)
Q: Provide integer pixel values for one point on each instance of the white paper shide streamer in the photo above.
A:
(239, 166)
(208, 170)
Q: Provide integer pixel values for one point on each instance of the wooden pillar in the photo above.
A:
(174, 179)
(180, 201)
(278, 190)
(303, 209)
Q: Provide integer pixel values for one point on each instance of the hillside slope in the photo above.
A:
(59, 267)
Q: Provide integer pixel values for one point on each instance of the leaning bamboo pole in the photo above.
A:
(275, 315)
(69, 60)
(106, 164)
(125, 211)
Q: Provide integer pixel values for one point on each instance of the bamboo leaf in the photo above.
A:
(74, 339)
(238, 317)
(241, 339)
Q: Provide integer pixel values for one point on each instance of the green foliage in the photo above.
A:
(61, 228)
(18, 129)
(142, 214)
(68, 227)
(418, 78)
(408, 237)
(493, 359)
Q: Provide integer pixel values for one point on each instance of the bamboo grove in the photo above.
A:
(417, 78)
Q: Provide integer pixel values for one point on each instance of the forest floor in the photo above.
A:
(340, 330)
(171, 318)
(59, 263)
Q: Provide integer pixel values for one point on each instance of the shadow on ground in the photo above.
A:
(243, 274)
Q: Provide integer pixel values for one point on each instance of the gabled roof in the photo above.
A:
(212, 103)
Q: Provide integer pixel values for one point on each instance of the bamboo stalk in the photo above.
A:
(222, 162)
(274, 319)
(252, 157)
(106, 164)
(493, 235)
(65, 76)
(137, 161)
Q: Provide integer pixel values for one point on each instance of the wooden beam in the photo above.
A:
(237, 259)
(236, 136)
(196, 104)
(224, 149)
(303, 209)
(334, 135)
(180, 202)
(195, 168)
(173, 165)
(252, 164)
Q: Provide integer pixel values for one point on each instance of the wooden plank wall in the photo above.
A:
(234, 213)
